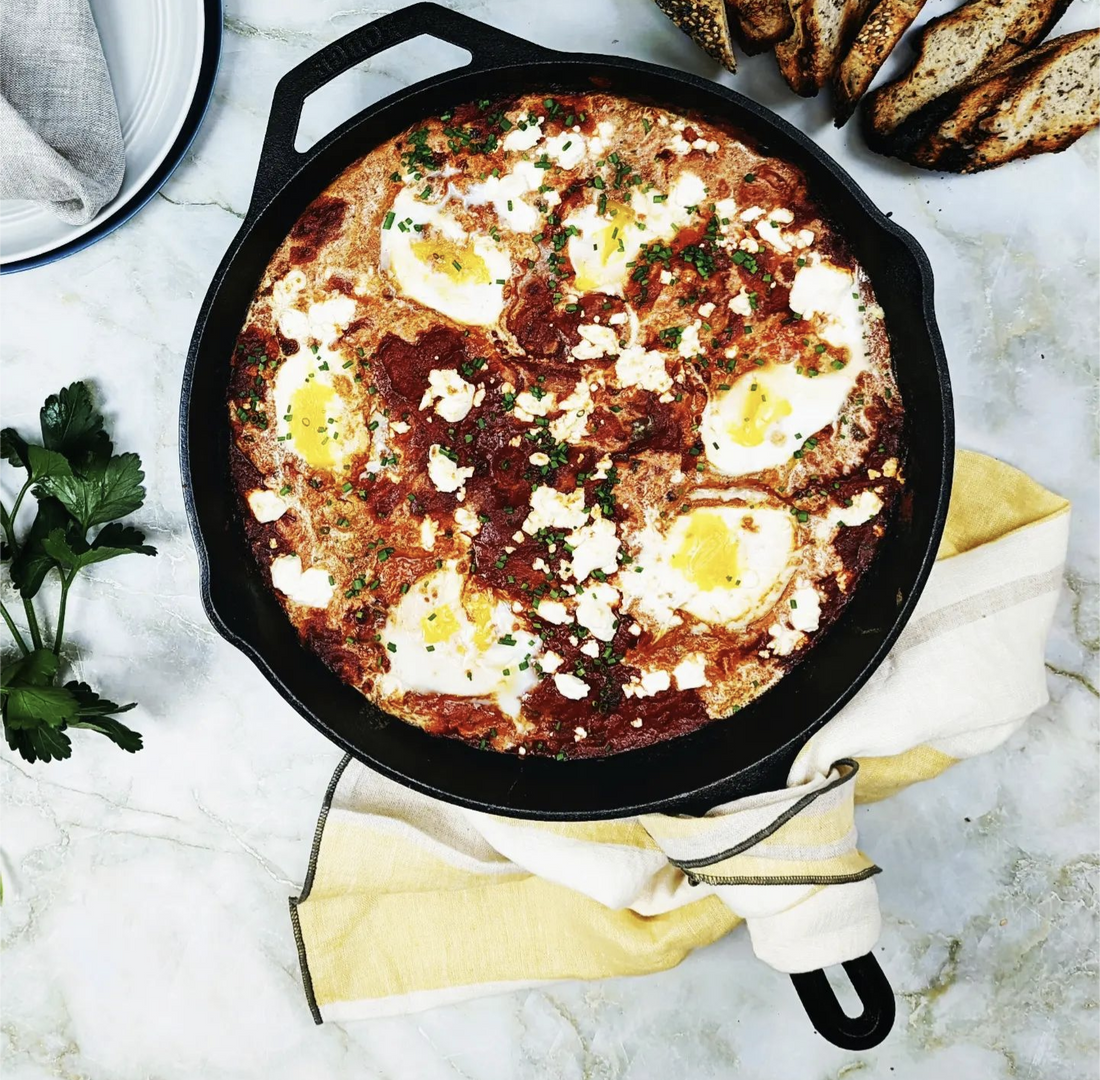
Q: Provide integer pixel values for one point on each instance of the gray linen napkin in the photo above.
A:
(60, 140)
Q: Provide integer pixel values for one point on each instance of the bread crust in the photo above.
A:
(1041, 102)
(979, 36)
(822, 30)
(873, 43)
(760, 24)
(707, 24)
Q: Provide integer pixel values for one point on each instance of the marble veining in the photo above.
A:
(144, 921)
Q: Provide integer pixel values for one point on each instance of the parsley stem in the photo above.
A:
(32, 623)
(15, 509)
(14, 629)
(8, 521)
(65, 583)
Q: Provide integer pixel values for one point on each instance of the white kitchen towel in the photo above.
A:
(60, 140)
(410, 902)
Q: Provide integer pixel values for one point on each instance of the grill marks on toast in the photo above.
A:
(760, 24)
(822, 31)
(873, 43)
(981, 35)
(1041, 102)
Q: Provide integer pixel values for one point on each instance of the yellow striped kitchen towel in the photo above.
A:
(410, 903)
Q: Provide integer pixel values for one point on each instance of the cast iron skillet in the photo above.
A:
(752, 752)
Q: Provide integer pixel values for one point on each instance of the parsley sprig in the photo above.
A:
(81, 485)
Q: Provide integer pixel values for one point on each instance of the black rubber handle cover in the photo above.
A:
(829, 1019)
(487, 47)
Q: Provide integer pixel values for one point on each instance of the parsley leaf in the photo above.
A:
(40, 743)
(79, 484)
(30, 567)
(13, 447)
(29, 706)
(113, 540)
(72, 426)
(108, 491)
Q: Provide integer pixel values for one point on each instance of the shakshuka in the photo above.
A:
(564, 425)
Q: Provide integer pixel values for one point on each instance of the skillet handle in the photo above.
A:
(829, 1019)
(488, 47)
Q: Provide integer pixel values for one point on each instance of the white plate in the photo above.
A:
(154, 52)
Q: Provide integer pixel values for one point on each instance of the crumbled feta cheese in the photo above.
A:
(571, 687)
(595, 610)
(590, 648)
(741, 304)
(310, 588)
(805, 609)
(706, 310)
(445, 474)
(595, 547)
(400, 427)
(572, 425)
(596, 341)
(520, 139)
(691, 672)
(638, 367)
(554, 509)
(553, 611)
(650, 683)
(773, 235)
(453, 395)
(784, 639)
(752, 213)
(467, 521)
(428, 531)
(689, 341)
(566, 149)
(550, 661)
(539, 458)
(528, 406)
(266, 505)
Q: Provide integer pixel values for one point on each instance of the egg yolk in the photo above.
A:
(707, 557)
(441, 623)
(761, 411)
(438, 625)
(479, 606)
(608, 243)
(310, 408)
(459, 263)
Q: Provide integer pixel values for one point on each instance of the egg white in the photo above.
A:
(725, 565)
(604, 244)
(440, 264)
(312, 417)
(455, 653)
(769, 412)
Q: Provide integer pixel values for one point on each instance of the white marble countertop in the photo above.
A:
(145, 927)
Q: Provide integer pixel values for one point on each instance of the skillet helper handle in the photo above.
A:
(487, 46)
(829, 1019)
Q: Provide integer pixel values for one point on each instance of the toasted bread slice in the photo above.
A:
(873, 43)
(1039, 103)
(978, 36)
(822, 31)
(759, 24)
(705, 22)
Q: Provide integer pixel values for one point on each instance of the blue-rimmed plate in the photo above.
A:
(162, 56)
